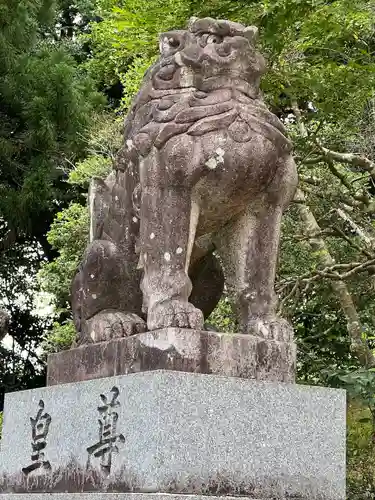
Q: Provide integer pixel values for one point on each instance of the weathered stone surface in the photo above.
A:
(204, 166)
(178, 433)
(180, 349)
(118, 496)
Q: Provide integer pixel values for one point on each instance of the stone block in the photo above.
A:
(178, 349)
(174, 432)
(113, 496)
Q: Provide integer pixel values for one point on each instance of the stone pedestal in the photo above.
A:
(196, 351)
(174, 432)
(116, 496)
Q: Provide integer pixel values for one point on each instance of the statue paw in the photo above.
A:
(174, 313)
(111, 324)
(270, 327)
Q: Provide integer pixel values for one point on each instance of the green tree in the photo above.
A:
(321, 72)
(46, 101)
(321, 83)
(360, 454)
(69, 231)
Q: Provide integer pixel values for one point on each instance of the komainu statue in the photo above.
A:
(197, 195)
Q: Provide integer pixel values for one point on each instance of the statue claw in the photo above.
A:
(174, 313)
(111, 324)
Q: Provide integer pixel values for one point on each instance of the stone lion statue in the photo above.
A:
(205, 167)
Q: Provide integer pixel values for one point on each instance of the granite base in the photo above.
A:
(114, 496)
(174, 432)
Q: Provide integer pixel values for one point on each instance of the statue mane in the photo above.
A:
(207, 78)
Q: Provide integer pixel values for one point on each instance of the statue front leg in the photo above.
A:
(168, 223)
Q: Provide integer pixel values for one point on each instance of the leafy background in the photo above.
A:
(69, 72)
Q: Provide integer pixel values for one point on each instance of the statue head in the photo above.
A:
(209, 55)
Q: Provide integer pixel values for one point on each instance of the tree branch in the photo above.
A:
(349, 158)
(339, 233)
(366, 238)
(354, 328)
(344, 180)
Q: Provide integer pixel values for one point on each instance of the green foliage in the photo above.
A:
(103, 141)
(60, 338)
(360, 386)
(223, 317)
(360, 454)
(20, 22)
(68, 235)
(323, 57)
(39, 131)
(92, 166)
(46, 101)
(69, 231)
(132, 78)
(320, 328)
(130, 30)
(324, 50)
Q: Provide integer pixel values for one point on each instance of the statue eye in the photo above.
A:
(208, 38)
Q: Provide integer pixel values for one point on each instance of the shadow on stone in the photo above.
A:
(263, 488)
(75, 479)
(71, 478)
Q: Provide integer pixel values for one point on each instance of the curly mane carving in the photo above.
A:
(205, 166)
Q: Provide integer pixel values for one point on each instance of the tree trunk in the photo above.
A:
(311, 228)
(4, 321)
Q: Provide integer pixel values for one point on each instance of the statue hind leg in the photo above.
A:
(106, 296)
(248, 246)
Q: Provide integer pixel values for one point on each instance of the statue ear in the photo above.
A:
(252, 34)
